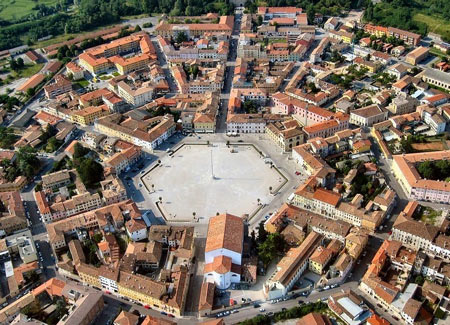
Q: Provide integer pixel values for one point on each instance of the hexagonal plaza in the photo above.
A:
(206, 179)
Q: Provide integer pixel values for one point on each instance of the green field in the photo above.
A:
(435, 24)
(15, 9)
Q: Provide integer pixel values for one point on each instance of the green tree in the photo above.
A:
(97, 237)
(90, 171)
(271, 247)
(262, 232)
(181, 37)
(419, 280)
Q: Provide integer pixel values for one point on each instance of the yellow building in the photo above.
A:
(355, 242)
(141, 289)
(204, 123)
(319, 259)
(125, 66)
(89, 274)
(361, 146)
(88, 115)
(94, 65)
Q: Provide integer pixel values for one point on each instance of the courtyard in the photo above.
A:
(198, 181)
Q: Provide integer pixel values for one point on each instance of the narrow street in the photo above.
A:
(221, 126)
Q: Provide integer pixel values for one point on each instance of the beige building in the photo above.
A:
(367, 116)
(286, 134)
(417, 55)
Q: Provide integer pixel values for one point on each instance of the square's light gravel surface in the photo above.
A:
(210, 179)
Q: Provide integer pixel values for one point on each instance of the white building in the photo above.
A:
(291, 267)
(136, 229)
(223, 250)
(108, 278)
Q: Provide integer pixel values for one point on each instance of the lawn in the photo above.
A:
(83, 83)
(429, 215)
(29, 70)
(15, 9)
(435, 24)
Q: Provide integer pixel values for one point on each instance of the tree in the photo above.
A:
(262, 233)
(90, 171)
(271, 247)
(426, 169)
(31, 91)
(98, 237)
(419, 280)
(20, 63)
(137, 29)
(79, 151)
(181, 37)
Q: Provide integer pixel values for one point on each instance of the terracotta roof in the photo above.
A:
(406, 164)
(206, 300)
(53, 287)
(126, 318)
(327, 196)
(32, 82)
(412, 308)
(151, 320)
(221, 265)
(314, 319)
(377, 320)
(225, 231)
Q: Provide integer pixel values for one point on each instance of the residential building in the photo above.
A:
(147, 134)
(286, 134)
(417, 55)
(89, 115)
(136, 229)
(320, 259)
(75, 70)
(13, 216)
(416, 187)
(349, 307)
(60, 86)
(367, 116)
(123, 160)
(291, 267)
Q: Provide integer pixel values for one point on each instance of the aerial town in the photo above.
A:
(240, 164)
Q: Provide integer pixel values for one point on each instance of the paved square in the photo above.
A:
(209, 179)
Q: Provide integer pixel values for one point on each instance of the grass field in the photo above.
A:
(15, 9)
(435, 24)
(28, 71)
